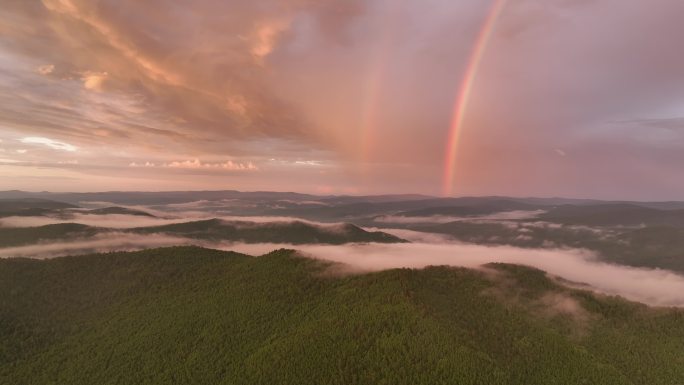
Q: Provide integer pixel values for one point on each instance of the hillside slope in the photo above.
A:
(30, 207)
(292, 232)
(659, 247)
(189, 315)
(214, 230)
(614, 215)
(116, 210)
(17, 236)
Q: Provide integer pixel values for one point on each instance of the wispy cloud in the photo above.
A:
(196, 164)
(51, 143)
(227, 165)
(45, 69)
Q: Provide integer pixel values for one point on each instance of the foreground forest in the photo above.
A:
(190, 315)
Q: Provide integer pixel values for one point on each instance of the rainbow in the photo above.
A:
(376, 78)
(371, 106)
(463, 97)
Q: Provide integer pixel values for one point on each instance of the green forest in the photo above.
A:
(188, 315)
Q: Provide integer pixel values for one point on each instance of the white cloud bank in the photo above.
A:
(101, 243)
(654, 287)
(126, 221)
(500, 216)
(114, 221)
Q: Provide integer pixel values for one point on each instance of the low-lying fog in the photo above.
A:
(126, 221)
(504, 215)
(114, 221)
(100, 243)
(657, 287)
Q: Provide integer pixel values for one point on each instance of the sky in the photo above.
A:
(574, 98)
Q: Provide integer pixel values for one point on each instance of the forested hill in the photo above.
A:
(213, 230)
(188, 315)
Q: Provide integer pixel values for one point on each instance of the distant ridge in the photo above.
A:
(170, 197)
(212, 230)
(30, 206)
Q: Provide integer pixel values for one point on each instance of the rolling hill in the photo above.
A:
(614, 215)
(190, 315)
(31, 207)
(206, 230)
(294, 232)
(18, 236)
(485, 208)
(652, 247)
(116, 210)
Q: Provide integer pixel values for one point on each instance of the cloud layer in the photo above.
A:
(573, 97)
(655, 287)
(101, 243)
